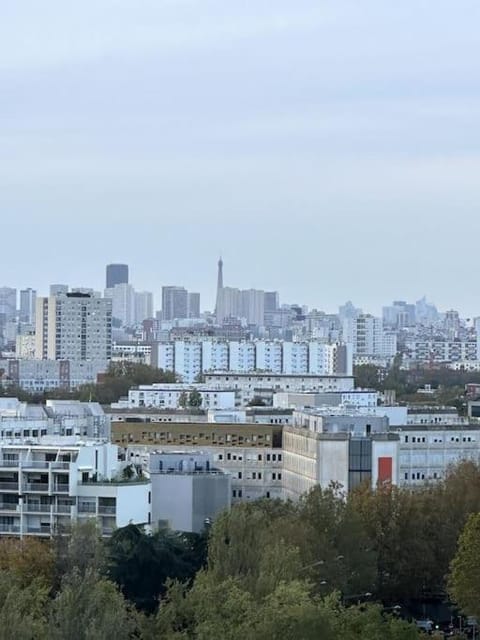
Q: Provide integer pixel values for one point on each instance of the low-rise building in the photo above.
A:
(174, 396)
(20, 420)
(188, 492)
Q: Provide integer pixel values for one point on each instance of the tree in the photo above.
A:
(195, 399)
(28, 560)
(90, 608)
(140, 564)
(23, 608)
(183, 400)
(464, 579)
(78, 549)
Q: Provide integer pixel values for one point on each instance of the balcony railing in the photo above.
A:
(107, 510)
(63, 508)
(35, 464)
(61, 488)
(37, 486)
(9, 528)
(8, 486)
(8, 463)
(8, 506)
(86, 508)
(36, 508)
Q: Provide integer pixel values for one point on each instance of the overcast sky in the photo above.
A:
(330, 150)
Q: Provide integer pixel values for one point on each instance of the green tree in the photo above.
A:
(464, 579)
(194, 399)
(140, 564)
(22, 608)
(90, 608)
(183, 400)
(78, 549)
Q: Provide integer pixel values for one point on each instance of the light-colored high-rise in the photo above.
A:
(73, 326)
(28, 298)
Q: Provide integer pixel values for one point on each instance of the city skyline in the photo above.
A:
(210, 295)
(322, 152)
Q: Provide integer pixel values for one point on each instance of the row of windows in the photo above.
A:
(269, 457)
(438, 440)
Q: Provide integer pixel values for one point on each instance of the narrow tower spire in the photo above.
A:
(219, 285)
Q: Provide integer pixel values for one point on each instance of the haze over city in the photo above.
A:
(327, 150)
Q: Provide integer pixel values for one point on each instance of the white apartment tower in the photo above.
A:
(73, 326)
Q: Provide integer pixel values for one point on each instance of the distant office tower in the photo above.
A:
(143, 306)
(193, 301)
(229, 304)
(56, 289)
(253, 306)
(174, 303)
(28, 298)
(8, 304)
(123, 303)
(271, 301)
(73, 326)
(116, 274)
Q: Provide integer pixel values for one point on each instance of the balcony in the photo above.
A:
(9, 463)
(37, 508)
(105, 510)
(63, 508)
(41, 487)
(43, 529)
(8, 506)
(35, 464)
(9, 486)
(9, 528)
(87, 508)
(60, 466)
(61, 488)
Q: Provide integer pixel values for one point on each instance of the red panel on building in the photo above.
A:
(385, 470)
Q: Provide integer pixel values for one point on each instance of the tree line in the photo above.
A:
(329, 567)
(112, 385)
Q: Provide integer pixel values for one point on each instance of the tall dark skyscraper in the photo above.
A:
(116, 274)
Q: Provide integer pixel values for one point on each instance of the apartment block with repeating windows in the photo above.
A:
(74, 326)
(45, 487)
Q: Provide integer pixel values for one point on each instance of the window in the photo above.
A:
(239, 475)
(239, 493)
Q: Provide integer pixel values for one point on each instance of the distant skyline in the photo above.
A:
(330, 151)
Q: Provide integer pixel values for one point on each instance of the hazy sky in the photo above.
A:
(330, 150)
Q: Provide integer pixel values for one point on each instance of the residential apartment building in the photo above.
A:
(172, 396)
(265, 385)
(191, 358)
(36, 376)
(46, 486)
(441, 351)
(74, 326)
(22, 421)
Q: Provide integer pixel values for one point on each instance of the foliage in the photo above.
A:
(78, 549)
(140, 564)
(28, 560)
(90, 608)
(113, 385)
(464, 580)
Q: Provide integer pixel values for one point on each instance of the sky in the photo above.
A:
(328, 150)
